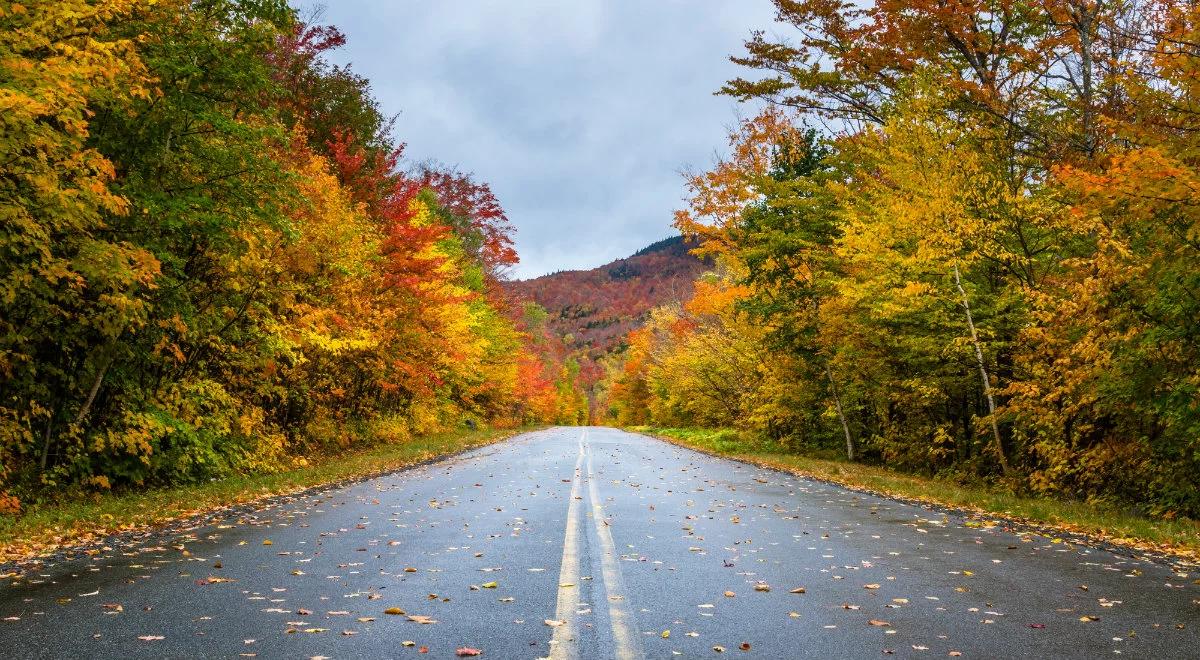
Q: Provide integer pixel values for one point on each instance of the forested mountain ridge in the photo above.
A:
(593, 310)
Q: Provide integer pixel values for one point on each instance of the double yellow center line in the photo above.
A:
(565, 640)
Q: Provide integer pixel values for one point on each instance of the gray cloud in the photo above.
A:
(579, 113)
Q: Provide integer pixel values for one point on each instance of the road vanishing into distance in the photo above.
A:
(596, 543)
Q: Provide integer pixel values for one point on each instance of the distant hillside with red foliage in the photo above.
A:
(594, 309)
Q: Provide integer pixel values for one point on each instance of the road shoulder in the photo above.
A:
(60, 530)
(1164, 542)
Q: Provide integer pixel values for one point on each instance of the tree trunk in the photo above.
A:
(851, 450)
(106, 361)
(983, 373)
(91, 397)
(46, 440)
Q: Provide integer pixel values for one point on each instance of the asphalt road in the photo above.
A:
(595, 543)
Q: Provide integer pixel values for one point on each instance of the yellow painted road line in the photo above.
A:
(564, 642)
(624, 629)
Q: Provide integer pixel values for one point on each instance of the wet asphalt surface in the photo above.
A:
(669, 553)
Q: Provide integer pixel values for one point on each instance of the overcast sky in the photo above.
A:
(579, 113)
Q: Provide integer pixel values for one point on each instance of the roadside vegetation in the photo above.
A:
(52, 526)
(215, 259)
(986, 504)
(960, 241)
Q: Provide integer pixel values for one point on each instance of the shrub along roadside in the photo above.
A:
(1180, 538)
(47, 528)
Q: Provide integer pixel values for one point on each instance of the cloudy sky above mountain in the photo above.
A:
(580, 114)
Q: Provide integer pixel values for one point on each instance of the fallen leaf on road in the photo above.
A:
(870, 586)
(666, 634)
(394, 610)
(213, 579)
(730, 594)
(762, 587)
(745, 646)
(489, 585)
(467, 651)
(878, 622)
(798, 590)
(421, 618)
(150, 638)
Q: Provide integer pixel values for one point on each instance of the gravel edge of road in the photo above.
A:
(1177, 559)
(169, 526)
